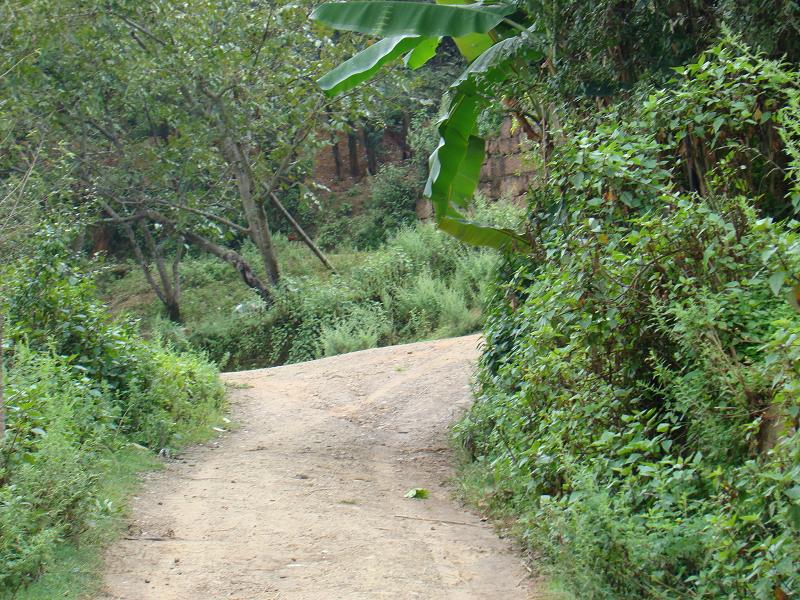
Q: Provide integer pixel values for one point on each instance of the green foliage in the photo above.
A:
(420, 284)
(51, 305)
(401, 292)
(361, 327)
(456, 162)
(590, 50)
(79, 387)
(637, 406)
(772, 26)
(366, 63)
(391, 205)
(75, 569)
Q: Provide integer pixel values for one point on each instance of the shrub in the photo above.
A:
(363, 327)
(637, 404)
(80, 387)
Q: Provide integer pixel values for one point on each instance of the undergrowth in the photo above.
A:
(637, 409)
(420, 284)
(88, 402)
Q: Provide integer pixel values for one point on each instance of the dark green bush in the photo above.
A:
(80, 386)
(638, 406)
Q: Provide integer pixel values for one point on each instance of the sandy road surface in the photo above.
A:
(305, 500)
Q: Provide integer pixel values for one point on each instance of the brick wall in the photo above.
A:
(504, 172)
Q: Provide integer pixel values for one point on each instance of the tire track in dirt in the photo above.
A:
(305, 499)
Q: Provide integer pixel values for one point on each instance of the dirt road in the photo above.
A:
(305, 499)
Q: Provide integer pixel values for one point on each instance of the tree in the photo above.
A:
(414, 31)
(180, 124)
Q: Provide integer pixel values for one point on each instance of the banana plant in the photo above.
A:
(413, 30)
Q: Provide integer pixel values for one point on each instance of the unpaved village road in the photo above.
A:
(305, 498)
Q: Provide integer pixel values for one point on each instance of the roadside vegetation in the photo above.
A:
(637, 413)
(637, 402)
(420, 284)
(87, 403)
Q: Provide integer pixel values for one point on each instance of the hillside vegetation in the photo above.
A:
(637, 418)
(637, 406)
(421, 284)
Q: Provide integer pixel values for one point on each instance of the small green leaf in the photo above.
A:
(793, 493)
(776, 281)
(473, 45)
(424, 51)
(418, 493)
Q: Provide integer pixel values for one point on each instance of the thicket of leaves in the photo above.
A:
(420, 284)
(79, 386)
(638, 406)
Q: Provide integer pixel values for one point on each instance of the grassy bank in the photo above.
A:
(420, 284)
(74, 568)
(88, 405)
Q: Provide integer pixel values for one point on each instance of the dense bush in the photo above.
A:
(638, 406)
(79, 387)
(389, 206)
(421, 284)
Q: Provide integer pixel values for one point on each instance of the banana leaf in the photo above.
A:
(392, 17)
(366, 63)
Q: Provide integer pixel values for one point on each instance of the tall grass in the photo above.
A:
(420, 284)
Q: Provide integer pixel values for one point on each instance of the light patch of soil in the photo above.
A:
(305, 500)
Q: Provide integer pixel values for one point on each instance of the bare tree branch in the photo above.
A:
(144, 30)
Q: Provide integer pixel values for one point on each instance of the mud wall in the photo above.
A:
(505, 173)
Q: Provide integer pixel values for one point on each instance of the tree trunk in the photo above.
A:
(235, 260)
(300, 231)
(170, 289)
(168, 292)
(404, 136)
(370, 150)
(229, 256)
(337, 158)
(352, 150)
(254, 211)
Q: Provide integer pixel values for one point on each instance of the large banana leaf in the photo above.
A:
(471, 45)
(495, 64)
(425, 51)
(476, 234)
(366, 63)
(455, 164)
(397, 17)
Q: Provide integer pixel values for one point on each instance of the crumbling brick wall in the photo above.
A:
(504, 172)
